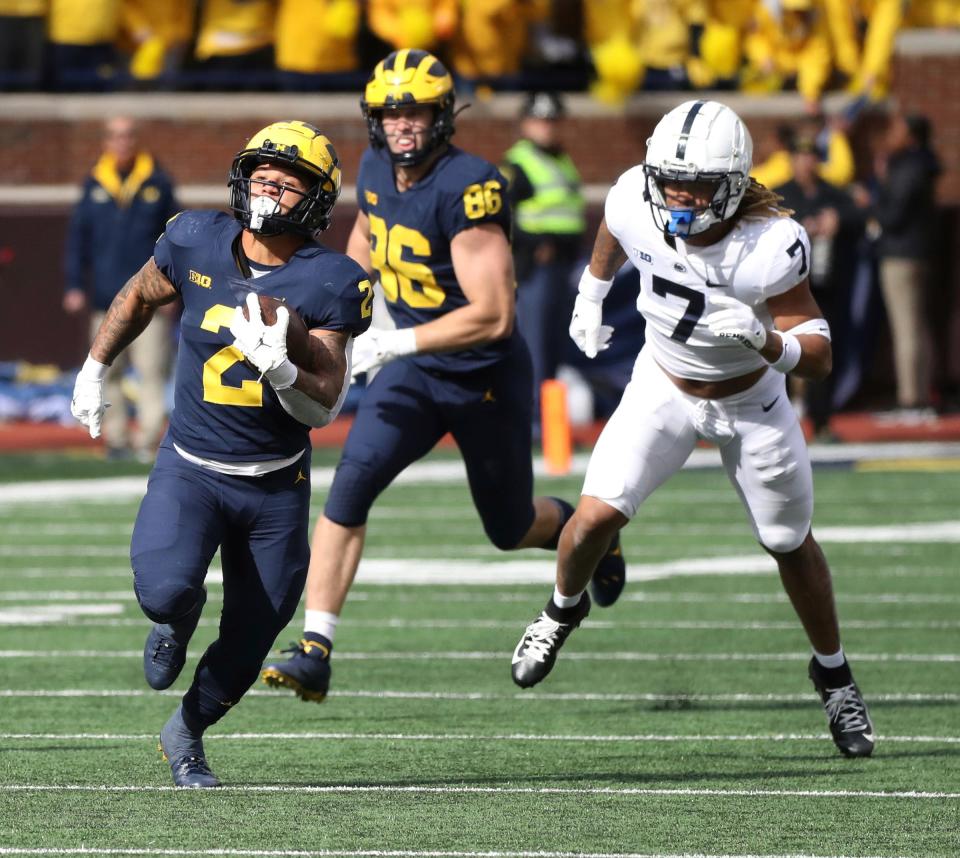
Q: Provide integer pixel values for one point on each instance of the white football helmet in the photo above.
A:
(699, 141)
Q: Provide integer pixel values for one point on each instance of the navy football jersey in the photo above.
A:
(220, 410)
(410, 235)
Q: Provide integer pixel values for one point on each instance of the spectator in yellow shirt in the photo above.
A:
(792, 49)
(418, 24)
(235, 44)
(866, 65)
(492, 38)
(724, 33)
(644, 43)
(82, 36)
(316, 44)
(156, 36)
(22, 36)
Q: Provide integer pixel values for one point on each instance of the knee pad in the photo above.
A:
(782, 538)
(353, 492)
(168, 601)
(506, 525)
(505, 535)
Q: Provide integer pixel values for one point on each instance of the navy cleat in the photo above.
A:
(165, 651)
(608, 580)
(847, 716)
(537, 651)
(183, 750)
(306, 673)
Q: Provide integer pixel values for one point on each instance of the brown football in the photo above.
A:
(298, 337)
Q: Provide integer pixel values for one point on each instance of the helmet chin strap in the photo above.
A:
(260, 208)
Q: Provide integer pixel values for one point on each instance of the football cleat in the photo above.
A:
(184, 752)
(165, 651)
(306, 673)
(537, 651)
(847, 716)
(608, 580)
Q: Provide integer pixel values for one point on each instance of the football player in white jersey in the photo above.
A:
(728, 309)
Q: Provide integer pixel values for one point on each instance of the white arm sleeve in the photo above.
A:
(310, 412)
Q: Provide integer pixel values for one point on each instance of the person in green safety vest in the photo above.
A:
(548, 230)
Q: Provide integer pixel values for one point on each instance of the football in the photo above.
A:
(299, 349)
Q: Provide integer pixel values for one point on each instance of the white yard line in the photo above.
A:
(379, 853)
(300, 789)
(475, 737)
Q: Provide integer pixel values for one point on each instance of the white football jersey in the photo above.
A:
(757, 260)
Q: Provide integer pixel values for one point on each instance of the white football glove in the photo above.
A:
(265, 346)
(736, 321)
(379, 346)
(87, 403)
(586, 328)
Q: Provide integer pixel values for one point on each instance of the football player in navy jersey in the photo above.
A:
(434, 224)
(233, 471)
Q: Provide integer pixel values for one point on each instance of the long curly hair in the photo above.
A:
(760, 203)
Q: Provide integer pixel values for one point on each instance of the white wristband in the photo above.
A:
(283, 376)
(92, 368)
(593, 288)
(404, 341)
(790, 356)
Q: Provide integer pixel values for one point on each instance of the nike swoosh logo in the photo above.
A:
(868, 736)
(766, 408)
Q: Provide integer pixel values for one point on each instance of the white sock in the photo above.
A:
(562, 601)
(835, 660)
(321, 623)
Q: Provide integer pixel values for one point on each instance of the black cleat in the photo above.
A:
(609, 579)
(165, 651)
(306, 673)
(537, 651)
(847, 715)
(184, 752)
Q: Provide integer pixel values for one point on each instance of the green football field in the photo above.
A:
(679, 722)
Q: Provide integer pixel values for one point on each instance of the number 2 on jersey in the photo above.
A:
(250, 393)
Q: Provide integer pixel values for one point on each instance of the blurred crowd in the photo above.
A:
(611, 47)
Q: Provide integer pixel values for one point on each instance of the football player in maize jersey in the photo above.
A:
(433, 222)
(233, 471)
(726, 296)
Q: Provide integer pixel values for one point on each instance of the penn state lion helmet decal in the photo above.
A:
(405, 78)
(699, 141)
(298, 146)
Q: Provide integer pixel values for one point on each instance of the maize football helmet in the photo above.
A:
(405, 78)
(305, 150)
(699, 141)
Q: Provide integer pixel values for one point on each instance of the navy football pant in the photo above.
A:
(407, 410)
(260, 525)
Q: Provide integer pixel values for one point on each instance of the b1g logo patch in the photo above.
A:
(200, 279)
